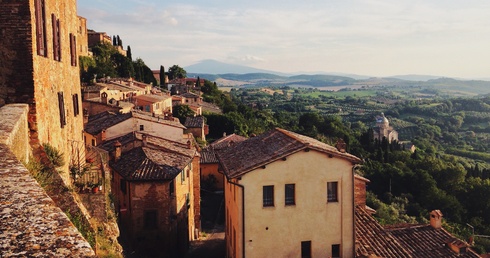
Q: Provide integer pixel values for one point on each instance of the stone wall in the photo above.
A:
(38, 80)
(14, 132)
(31, 224)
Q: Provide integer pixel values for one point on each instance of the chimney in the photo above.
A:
(436, 219)
(341, 145)
(117, 154)
(224, 134)
(457, 246)
(145, 140)
(189, 144)
(103, 136)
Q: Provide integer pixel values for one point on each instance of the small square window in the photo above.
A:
(289, 194)
(268, 196)
(142, 127)
(332, 192)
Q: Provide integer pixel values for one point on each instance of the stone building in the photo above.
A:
(382, 129)
(39, 66)
(157, 194)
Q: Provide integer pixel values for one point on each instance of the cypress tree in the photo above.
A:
(128, 53)
(162, 75)
(114, 41)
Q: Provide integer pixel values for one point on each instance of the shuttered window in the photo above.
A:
(61, 105)
(40, 28)
(76, 109)
(73, 49)
(56, 38)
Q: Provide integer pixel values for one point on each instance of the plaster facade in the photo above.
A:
(282, 228)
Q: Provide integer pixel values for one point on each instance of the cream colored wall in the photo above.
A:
(280, 229)
(120, 129)
(160, 130)
(182, 188)
(233, 219)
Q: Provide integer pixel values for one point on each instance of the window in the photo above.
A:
(93, 142)
(305, 249)
(122, 185)
(289, 194)
(335, 250)
(268, 195)
(171, 188)
(73, 49)
(332, 188)
(142, 127)
(41, 28)
(61, 106)
(182, 176)
(76, 109)
(56, 38)
(151, 219)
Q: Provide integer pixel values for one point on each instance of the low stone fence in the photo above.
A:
(31, 225)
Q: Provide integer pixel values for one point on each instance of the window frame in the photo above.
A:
(268, 196)
(61, 107)
(73, 49)
(56, 37)
(333, 191)
(336, 251)
(289, 194)
(305, 249)
(41, 40)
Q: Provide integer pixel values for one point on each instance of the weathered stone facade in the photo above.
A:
(47, 79)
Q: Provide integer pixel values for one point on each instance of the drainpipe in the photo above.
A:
(354, 207)
(243, 215)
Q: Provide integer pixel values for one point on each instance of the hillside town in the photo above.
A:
(106, 167)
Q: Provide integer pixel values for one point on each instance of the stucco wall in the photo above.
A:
(282, 228)
(212, 169)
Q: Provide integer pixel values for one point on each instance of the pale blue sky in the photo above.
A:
(367, 37)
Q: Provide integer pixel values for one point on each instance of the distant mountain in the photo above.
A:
(215, 67)
(415, 77)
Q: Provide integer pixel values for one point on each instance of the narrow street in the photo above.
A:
(212, 240)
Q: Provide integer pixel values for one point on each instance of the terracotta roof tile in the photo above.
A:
(208, 156)
(194, 122)
(104, 120)
(426, 241)
(372, 239)
(255, 152)
(226, 141)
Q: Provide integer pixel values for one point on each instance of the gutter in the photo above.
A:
(243, 214)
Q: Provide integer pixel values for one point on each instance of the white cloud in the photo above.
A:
(363, 36)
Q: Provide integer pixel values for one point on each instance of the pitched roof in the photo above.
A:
(160, 159)
(245, 156)
(226, 141)
(372, 239)
(189, 95)
(151, 98)
(194, 122)
(426, 241)
(104, 120)
(208, 156)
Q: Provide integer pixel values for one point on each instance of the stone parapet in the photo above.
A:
(14, 131)
(31, 225)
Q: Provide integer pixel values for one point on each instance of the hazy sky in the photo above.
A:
(367, 37)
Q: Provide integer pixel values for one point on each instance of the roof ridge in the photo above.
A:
(291, 135)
